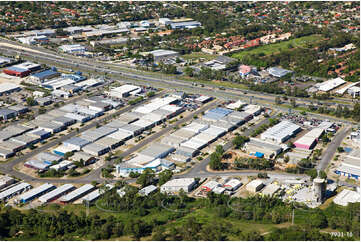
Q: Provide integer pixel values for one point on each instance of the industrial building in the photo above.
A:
(76, 143)
(6, 114)
(76, 48)
(13, 191)
(278, 72)
(91, 197)
(124, 91)
(157, 150)
(58, 192)
(62, 166)
(347, 196)
(269, 150)
(271, 189)
(309, 140)
(5, 61)
(331, 84)
(160, 55)
(176, 185)
(185, 25)
(48, 157)
(40, 77)
(232, 184)
(7, 88)
(147, 190)
(254, 186)
(209, 186)
(5, 153)
(350, 167)
(76, 194)
(36, 192)
(96, 149)
(16, 71)
(281, 132)
(37, 165)
(6, 181)
(81, 156)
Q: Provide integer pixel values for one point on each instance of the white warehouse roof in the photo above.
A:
(58, 191)
(331, 84)
(347, 196)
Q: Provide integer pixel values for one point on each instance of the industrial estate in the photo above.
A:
(180, 121)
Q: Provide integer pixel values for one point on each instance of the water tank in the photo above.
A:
(319, 189)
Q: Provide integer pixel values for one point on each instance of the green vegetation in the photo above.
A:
(197, 55)
(135, 101)
(239, 141)
(166, 217)
(250, 163)
(215, 162)
(277, 47)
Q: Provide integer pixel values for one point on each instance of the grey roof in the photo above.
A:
(76, 141)
(18, 108)
(63, 120)
(94, 147)
(157, 150)
(128, 117)
(24, 139)
(147, 190)
(131, 128)
(115, 124)
(55, 193)
(6, 112)
(4, 151)
(13, 190)
(76, 193)
(36, 191)
(225, 59)
(47, 156)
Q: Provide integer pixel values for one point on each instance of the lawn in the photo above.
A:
(196, 55)
(277, 47)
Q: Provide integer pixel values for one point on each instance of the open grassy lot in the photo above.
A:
(196, 55)
(277, 47)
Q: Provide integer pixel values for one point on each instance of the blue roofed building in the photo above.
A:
(43, 75)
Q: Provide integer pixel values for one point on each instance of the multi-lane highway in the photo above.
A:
(144, 78)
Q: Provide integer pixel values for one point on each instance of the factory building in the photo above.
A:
(84, 157)
(270, 190)
(76, 194)
(309, 140)
(124, 91)
(54, 194)
(185, 25)
(40, 77)
(13, 191)
(5, 153)
(76, 48)
(254, 186)
(6, 114)
(350, 166)
(281, 132)
(96, 149)
(347, 196)
(37, 165)
(157, 150)
(62, 166)
(331, 84)
(278, 72)
(269, 150)
(76, 143)
(94, 195)
(147, 190)
(7, 88)
(48, 157)
(6, 181)
(232, 184)
(160, 55)
(209, 186)
(36, 192)
(16, 71)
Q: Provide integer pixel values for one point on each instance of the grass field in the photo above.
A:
(277, 47)
(196, 55)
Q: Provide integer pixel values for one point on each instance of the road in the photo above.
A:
(145, 77)
(201, 168)
(8, 167)
(332, 148)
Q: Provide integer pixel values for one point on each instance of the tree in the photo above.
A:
(164, 176)
(30, 101)
(146, 178)
(239, 141)
(215, 161)
(219, 149)
(188, 71)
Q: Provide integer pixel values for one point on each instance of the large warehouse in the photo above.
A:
(175, 185)
(124, 91)
(331, 84)
(7, 87)
(309, 140)
(281, 132)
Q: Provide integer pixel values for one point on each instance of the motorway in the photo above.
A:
(47, 56)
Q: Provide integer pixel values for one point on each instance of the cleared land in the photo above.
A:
(277, 47)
